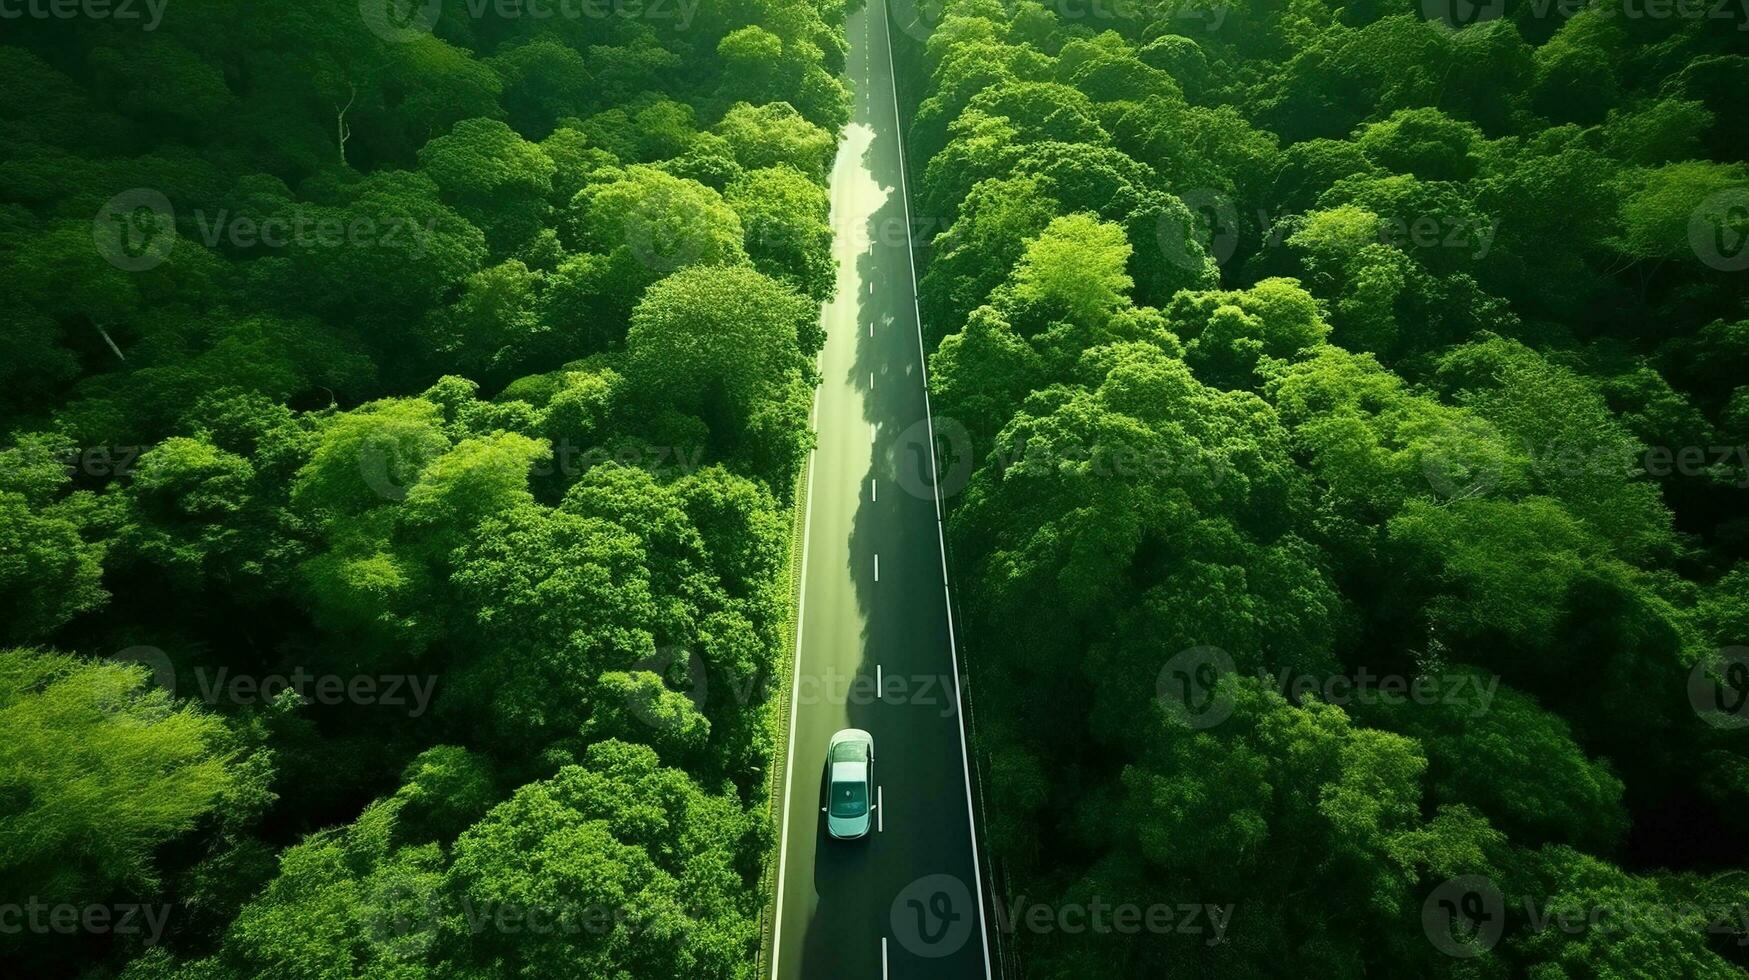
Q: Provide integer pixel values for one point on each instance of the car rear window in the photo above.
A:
(849, 799)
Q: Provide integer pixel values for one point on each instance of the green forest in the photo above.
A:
(397, 469)
(1343, 413)
(1299, 343)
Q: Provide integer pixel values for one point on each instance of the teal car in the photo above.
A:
(850, 803)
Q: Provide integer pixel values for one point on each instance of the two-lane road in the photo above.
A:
(875, 647)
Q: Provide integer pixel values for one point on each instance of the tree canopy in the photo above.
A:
(1328, 552)
(400, 409)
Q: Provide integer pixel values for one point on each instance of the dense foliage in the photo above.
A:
(1358, 407)
(401, 405)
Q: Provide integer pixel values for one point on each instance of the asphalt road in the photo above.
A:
(875, 647)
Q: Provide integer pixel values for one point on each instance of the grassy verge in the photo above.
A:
(777, 718)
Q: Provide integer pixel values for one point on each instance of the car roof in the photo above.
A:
(848, 749)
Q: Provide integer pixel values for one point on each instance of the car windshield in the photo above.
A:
(849, 799)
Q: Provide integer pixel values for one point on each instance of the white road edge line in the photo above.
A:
(789, 769)
(940, 536)
(883, 958)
